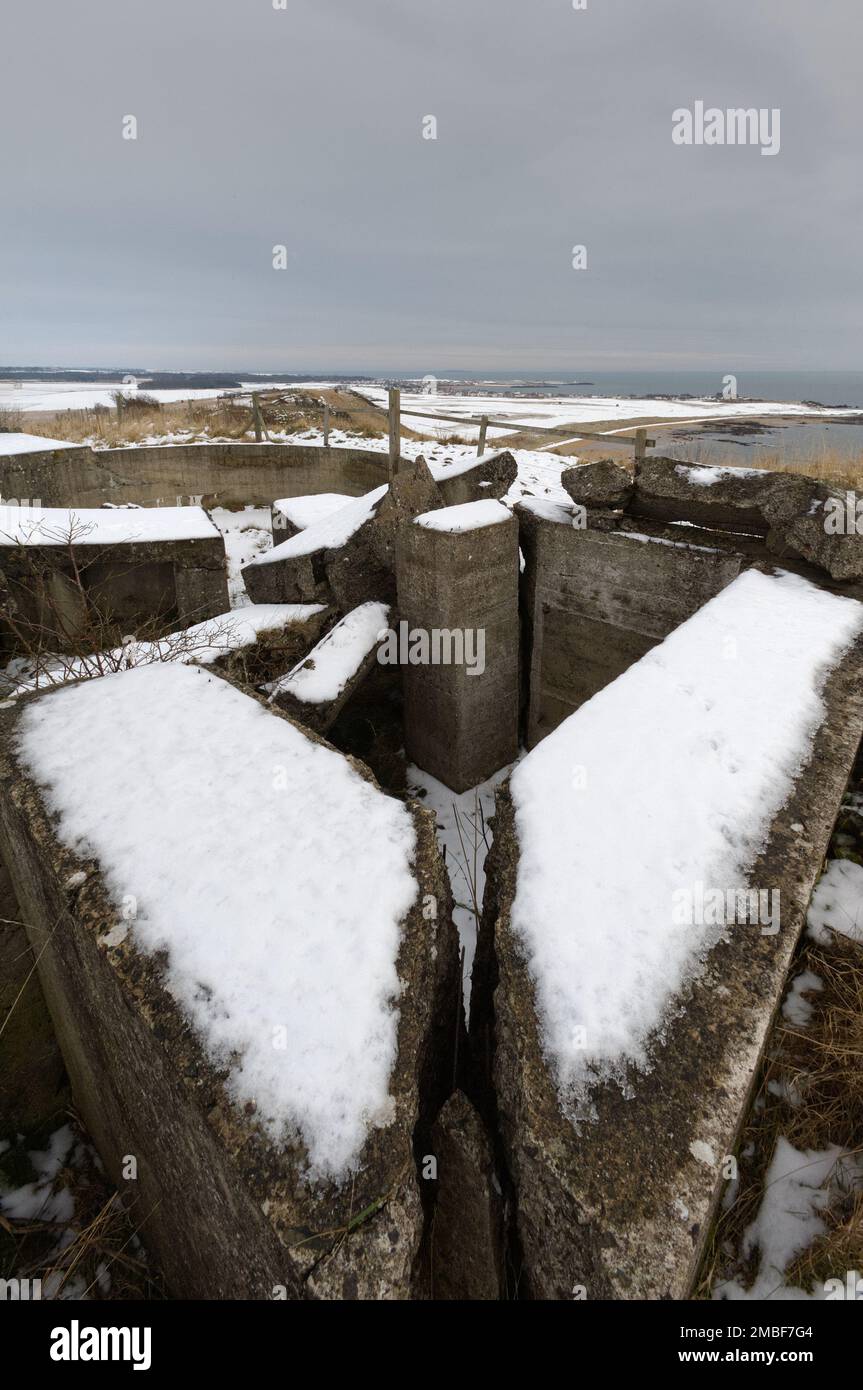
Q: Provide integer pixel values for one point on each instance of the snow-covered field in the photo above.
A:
(84, 395)
(556, 411)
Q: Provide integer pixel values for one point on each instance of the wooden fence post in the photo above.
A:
(483, 426)
(326, 425)
(256, 415)
(395, 430)
(642, 443)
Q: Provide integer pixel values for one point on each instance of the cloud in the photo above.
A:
(303, 127)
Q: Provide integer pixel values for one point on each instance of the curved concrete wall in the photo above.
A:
(213, 474)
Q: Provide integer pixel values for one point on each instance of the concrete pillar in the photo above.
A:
(458, 597)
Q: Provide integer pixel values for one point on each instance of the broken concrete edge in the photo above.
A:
(534, 513)
(623, 1208)
(789, 511)
(362, 568)
(145, 1087)
(490, 475)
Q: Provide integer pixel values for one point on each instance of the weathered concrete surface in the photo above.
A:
(74, 476)
(819, 523)
(597, 600)
(668, 490)
(492, 475)
(224, 1209)
(360, 570)
(365, 568)
(603, 484)
(468, 1240)
(33, 1087)
(123, 586)
(622, 1208)
(347, 575)
(461, 727)
(209, 474)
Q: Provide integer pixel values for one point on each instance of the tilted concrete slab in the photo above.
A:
(182, 1076)
(317, 689)
(618, 1158)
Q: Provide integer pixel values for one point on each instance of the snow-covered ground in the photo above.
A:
(204, 642)
(83, 395)
(555, 411)
(798, 1188)
(463, 833)
(837, 903)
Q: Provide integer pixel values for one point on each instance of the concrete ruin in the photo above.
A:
(271, 1213)
(66, 571)
(616, 1157)
(497, 1163)
(458, 584)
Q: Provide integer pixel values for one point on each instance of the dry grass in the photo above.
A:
(821, 1067)
(199, 421)
(104, 1237)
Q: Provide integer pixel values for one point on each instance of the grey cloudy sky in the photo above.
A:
(303, 126)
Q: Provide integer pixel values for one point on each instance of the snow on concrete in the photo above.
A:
(464, 463)
(289, 978)
(704, 476)
(467, 516)
(103, 525)
(31, 444)
(306, 511)
(328, 534)
(660, 540)
(247, 534)
(837, 903)
(322, 676)
(563, 515)
(667, 779)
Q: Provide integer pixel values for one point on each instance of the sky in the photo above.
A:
(303, 127)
